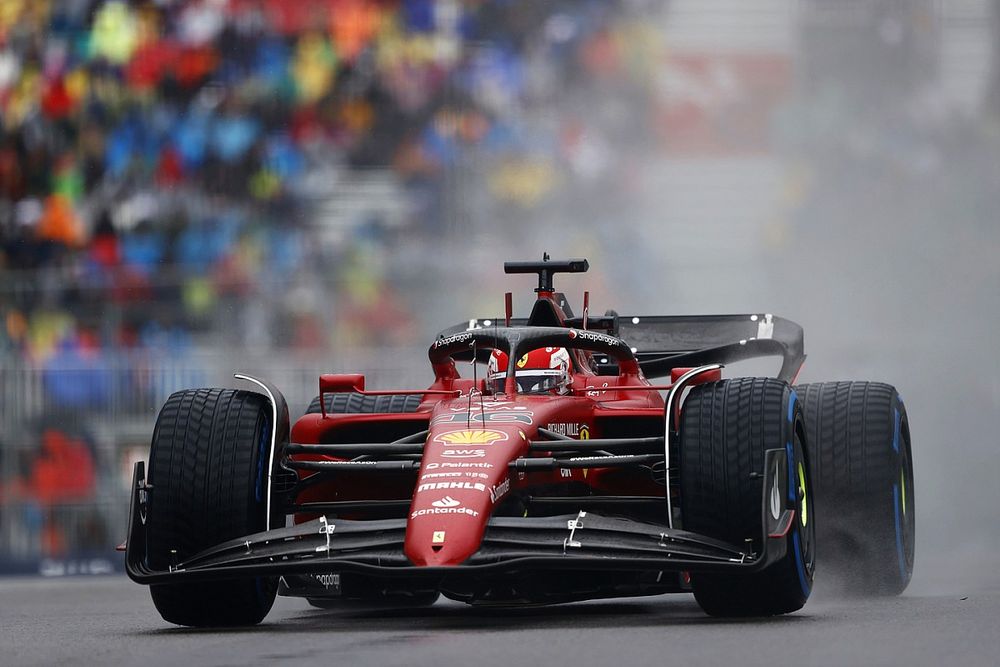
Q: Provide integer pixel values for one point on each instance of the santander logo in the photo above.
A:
(446, 505)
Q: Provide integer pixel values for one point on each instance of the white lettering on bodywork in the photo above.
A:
(470, 486)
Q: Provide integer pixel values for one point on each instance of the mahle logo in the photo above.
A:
(471, 437)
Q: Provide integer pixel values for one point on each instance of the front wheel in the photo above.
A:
(726, 428)
(208, 471)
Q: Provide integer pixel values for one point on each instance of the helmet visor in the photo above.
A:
(530, 381)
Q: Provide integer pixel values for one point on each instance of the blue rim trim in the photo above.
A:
(899, 531)
(792, 472)
(264, 438)
(895, 433)
(800, 567)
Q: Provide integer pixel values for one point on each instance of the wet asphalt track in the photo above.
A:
(110, 621)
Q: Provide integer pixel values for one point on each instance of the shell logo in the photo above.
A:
(471, 437)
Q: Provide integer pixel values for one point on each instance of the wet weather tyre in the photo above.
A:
(355, 403)
(208, 471)
(859, 436)
(726, 428)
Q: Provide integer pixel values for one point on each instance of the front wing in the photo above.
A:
(585, 541)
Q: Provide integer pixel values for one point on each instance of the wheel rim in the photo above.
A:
(803, 537)
(904, 503)
(804, 502)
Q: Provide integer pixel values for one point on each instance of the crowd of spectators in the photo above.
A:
(158, 158)
(167, 167)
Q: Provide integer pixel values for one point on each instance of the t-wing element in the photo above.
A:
(545, 269)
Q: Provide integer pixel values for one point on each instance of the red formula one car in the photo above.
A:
(555, 470)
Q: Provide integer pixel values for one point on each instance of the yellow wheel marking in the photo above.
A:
(804, 517)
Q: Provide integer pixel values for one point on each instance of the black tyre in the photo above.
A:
(859, 437)
(208, 470)
(726, 427)
(354, 403)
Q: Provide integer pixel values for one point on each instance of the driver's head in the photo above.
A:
(541, 371)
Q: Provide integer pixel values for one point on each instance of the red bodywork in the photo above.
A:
(490, 496)
(472, 438)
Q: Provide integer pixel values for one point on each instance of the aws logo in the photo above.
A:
(471, 437)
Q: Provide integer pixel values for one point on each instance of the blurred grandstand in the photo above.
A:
(192, 187)
(189, 187)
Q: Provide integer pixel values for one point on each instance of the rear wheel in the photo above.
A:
(863, 471)
(355, 403)
(208, 472)
(726, 427)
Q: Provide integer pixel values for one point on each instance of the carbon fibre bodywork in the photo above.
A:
(511, 546)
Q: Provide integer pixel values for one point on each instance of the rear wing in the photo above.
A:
(664, 342)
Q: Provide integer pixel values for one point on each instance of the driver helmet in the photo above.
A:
(541, 371)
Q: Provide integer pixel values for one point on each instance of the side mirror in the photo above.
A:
(338, 383)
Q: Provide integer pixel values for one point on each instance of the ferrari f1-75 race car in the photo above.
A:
(552, 470)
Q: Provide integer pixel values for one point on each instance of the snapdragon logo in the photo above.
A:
(594, 336)
(457, 338)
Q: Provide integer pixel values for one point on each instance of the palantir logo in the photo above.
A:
(447, 501)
